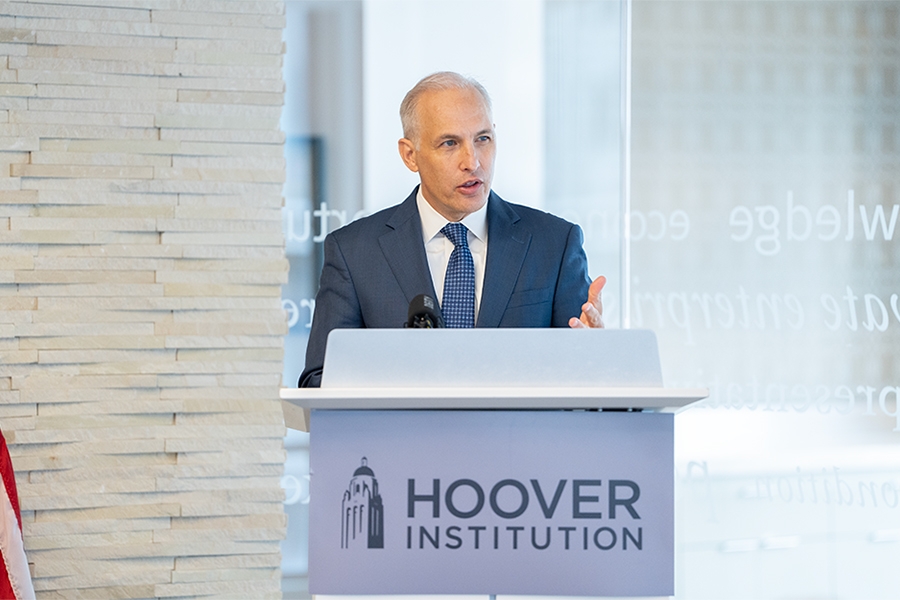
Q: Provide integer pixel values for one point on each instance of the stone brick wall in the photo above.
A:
(141, 259)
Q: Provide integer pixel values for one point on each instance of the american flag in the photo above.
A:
(15, 578)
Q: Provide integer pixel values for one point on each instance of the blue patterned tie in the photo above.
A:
(458, 305)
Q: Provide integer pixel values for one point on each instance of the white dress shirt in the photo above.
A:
(438, 247)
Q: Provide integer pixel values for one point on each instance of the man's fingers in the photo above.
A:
(591, 315)
(575, 323)
(592, 310)
(595, 291)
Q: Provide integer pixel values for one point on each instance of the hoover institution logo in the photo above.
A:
(362, 522)
(539, 503)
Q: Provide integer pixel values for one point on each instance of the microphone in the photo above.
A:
(424, 313)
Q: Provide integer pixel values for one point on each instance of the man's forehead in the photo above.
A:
(453, 108)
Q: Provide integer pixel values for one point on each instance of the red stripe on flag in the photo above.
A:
(9, 478)
(15, 578)
(6, 589)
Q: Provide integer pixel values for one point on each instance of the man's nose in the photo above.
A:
(469, 159)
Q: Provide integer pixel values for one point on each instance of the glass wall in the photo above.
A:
(322, 122)
(765, 255)
(763, 228)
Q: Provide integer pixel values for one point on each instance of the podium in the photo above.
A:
(491, 461)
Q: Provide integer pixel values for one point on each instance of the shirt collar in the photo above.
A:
(433, 221)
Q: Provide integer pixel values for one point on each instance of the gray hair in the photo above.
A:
(442, 80)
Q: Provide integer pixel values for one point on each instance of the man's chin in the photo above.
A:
(473, 204)
(459, 206)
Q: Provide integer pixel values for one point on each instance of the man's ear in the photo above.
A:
(408, 154)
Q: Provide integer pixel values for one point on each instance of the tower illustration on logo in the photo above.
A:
(362, 514)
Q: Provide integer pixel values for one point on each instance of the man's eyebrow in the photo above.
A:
(454, 136)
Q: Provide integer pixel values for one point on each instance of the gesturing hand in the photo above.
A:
(592, 310)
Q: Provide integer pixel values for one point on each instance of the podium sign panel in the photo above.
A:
(491, 502)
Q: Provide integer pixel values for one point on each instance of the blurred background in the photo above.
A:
(735, 167)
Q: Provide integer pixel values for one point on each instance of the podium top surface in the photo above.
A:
(469, 358)
(492, 398)
(296, 402)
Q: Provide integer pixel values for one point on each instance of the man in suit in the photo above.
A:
(529, 267)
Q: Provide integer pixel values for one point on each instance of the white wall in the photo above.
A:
(498, 42)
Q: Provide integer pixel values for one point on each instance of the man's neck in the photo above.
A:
(432, 221)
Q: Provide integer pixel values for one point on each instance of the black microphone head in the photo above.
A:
(424, 313)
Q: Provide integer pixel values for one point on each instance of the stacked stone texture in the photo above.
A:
(141, 259)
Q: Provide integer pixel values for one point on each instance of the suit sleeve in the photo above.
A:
(573, 282)
(337, 307)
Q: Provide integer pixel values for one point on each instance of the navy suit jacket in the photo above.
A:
(535, 273)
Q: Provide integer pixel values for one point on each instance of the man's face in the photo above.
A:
(453, 152)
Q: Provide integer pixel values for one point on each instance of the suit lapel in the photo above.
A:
(507, 246)
(404, 251)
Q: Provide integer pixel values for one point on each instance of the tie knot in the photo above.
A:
(456, 233)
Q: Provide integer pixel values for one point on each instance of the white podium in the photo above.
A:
(527, 462)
